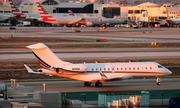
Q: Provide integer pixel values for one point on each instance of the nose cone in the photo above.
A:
(168, 72)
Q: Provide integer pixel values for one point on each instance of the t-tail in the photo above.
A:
(45, 17)
(46, 57)
(16, 11)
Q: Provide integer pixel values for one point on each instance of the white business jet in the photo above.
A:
(93, 72)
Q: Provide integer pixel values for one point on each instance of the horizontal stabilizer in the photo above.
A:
(30, 70)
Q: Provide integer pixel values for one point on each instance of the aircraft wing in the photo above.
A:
(113, 76)
(74, 21)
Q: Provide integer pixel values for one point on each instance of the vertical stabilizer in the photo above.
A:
(15, 10)
(70, 13)
(45, 17)
(45, 56)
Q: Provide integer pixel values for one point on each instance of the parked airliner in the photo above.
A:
(93, 72)
(173, 21)
(60, 19)
(95, 20)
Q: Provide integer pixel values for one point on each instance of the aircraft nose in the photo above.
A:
(168, 72)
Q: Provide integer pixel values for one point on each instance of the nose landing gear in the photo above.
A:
(158, 81)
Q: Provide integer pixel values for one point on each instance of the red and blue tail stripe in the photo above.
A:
(16, 11)
(44, 14)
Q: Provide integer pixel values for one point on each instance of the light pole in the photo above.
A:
(162, 97)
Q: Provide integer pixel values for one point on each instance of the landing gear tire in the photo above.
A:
(158, 81)
(98, 84)
(87, 83)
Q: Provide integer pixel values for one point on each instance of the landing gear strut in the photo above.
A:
(158, 81)
(87, 83)
(98, 84)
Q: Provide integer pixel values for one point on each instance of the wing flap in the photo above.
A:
(114, 76)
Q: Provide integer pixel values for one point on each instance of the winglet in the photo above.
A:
(37, 46)
(82, 16)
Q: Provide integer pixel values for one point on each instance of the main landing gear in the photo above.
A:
(87, 83)
(158, 81)
(98, 84)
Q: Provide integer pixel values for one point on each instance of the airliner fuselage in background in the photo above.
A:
(113, 21)
(60, 19)
(96, 20)
(173, 21)
(4, 17)
(93, 72)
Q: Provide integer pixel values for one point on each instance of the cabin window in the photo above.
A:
(137, 11)
(97, 69)
(112, 68)
(92, 69)
(133, 68)
(95, 11)
(125, 68)
(130, 11)
(121, 68)
(129, 68)
(141, 68)
(146, 68)
(108, 68)
(137, 68)
(104, 68)
(150, 67)
(117, 68)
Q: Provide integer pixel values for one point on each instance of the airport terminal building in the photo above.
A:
(144, 12)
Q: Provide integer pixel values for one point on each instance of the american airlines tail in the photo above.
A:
(70, 13)
(45, 17)
(46, 57)
(16, 11)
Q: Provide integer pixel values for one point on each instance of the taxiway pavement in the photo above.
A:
(125, 85)
(94, 54)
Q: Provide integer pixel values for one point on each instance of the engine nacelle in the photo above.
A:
(46, 71)
(40, 19)
(88, 23)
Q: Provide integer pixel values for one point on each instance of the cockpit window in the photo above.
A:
(159, 66)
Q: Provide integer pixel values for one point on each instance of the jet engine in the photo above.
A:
(45, 71)
(88, 24)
